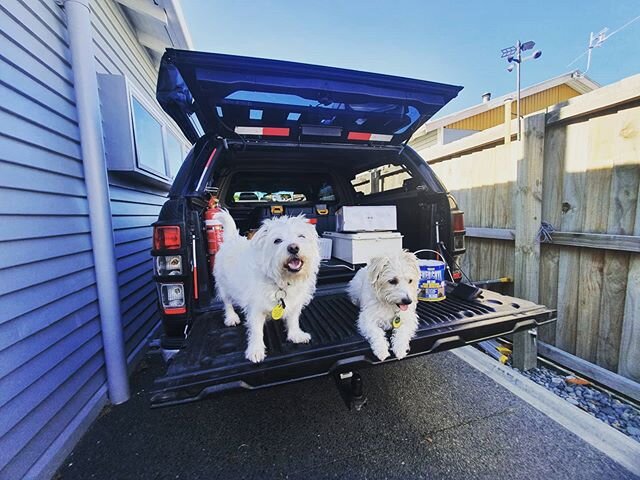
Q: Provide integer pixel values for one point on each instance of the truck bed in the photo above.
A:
(213, 358)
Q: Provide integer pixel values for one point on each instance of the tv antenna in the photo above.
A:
(597, 39)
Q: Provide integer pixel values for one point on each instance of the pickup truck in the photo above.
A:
(273, 138)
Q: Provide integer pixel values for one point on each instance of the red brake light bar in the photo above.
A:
(166, 238)
(175, 311)
(264, 131)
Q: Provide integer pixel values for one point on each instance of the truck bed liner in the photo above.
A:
(213, 359)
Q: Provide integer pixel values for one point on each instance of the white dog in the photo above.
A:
(387, 292)
(273, 275)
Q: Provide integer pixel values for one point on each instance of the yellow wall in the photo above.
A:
(530, 104)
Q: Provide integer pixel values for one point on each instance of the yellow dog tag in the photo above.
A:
(278, 311)
(396, 322)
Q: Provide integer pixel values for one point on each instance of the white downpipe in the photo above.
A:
(96, 180)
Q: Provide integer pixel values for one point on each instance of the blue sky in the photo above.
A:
(452, 42)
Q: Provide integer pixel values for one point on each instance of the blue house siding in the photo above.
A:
(51, 360)
(52, 375)
(134, 206)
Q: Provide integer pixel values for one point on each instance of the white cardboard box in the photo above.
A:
(357, 248)
(379, 218)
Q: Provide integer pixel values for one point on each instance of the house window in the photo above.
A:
(139, 140)
(148, 139)
(174, 153)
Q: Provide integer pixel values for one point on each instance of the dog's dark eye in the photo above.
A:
(301, 236)
(393, 281)
(410, 281)
(277, 241)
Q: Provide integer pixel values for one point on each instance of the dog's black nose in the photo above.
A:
(406, 301)
(293, 248)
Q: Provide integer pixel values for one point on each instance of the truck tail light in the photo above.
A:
(166, 237)
(457, 225)
(172, 298)
(457, 221)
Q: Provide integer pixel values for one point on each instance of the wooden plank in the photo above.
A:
(625, 181)
(596, 202)
(553, 172)
(575, 159)
(528, 214)
(629, 358)
(626, 90)
(528, 208)
(487, 182)
(492, 233)
(472, 165)
(593, 372)
(623, 243)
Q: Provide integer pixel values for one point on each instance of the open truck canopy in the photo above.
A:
(233, 96)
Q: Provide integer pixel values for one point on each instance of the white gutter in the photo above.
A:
(96, 181)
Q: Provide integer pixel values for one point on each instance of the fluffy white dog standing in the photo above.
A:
(272, 275)
(387, 292)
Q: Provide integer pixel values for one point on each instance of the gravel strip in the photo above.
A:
(620, 415)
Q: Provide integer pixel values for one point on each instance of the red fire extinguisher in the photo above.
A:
(214, 230)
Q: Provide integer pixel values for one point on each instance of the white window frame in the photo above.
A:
(121, 148)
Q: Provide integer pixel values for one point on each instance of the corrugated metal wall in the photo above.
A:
(530, 104)
(51, 363)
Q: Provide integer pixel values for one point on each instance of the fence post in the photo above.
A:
(528, 214)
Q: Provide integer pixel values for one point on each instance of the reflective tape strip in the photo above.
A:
(206, 167)
(265, 131)
(375, 137)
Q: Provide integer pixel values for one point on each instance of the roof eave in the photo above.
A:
(579, 82)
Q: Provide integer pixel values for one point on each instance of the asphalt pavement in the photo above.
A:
(429, 417)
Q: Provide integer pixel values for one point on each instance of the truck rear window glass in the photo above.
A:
(381, 179)
(271, 187)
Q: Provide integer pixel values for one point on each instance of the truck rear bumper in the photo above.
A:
(213, 360)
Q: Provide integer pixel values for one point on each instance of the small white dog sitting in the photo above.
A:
(273, 275)
(387, 292)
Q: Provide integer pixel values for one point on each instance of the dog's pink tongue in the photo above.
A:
(295, 264)
(403, 307)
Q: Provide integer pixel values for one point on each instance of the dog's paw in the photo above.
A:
(231, 320)
(299, 337)
(400, 351)
(380, 351)
(255, 355)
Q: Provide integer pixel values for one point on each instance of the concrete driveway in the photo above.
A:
(429, 417)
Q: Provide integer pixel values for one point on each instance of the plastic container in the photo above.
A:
(377, 218)
(358, 248)
(325, 248)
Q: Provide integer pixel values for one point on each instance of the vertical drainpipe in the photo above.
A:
(96, 180)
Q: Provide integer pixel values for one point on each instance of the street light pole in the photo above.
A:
(513, 55)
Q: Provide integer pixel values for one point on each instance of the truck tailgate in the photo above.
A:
(213, 358)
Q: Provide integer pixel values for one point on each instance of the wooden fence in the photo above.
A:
(577, 168)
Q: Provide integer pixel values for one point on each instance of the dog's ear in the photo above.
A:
(375, 268)
(260, 234)
(411, 261)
